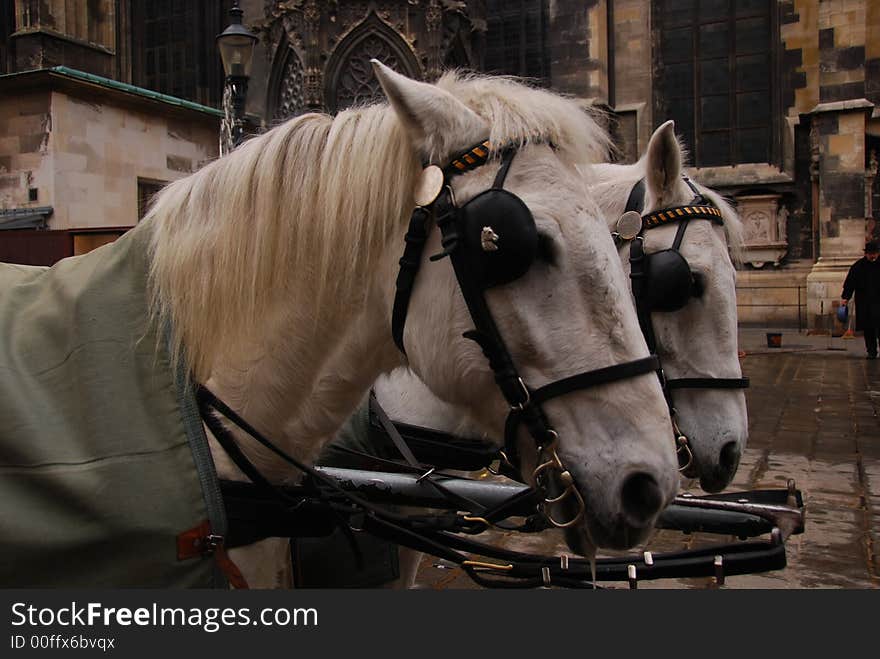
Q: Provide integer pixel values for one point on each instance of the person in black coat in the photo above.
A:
(863, 279)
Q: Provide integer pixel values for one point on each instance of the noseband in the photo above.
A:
(489, 242)
(664, 281)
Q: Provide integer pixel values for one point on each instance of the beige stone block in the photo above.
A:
(851, 123)
(70, 162)
(841, 145)
(9, 145)
(810, 57)
(28, 161)
(29, 124)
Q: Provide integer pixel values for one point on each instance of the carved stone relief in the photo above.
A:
(329, 38)
(765, 238)
(291, 95)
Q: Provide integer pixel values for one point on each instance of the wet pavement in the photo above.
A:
(814, 416)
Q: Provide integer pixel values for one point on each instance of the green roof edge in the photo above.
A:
(123, 87)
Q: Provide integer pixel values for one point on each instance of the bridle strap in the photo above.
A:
(595, 378)
(530, 414)
(416, 237)
(708, 383)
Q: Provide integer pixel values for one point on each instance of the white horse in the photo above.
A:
(275, 268)
(697, 341)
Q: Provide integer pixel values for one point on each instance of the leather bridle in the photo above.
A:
(551, 476)
(641, 276)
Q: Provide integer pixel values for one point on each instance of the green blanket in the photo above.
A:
(103, 460)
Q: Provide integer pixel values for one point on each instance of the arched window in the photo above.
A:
(351, 80)
(289, 88)
(715, 63)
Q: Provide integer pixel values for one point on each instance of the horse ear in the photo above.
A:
(663, 166)
(436, 120)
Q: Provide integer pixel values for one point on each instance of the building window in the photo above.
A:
(714, 77)
(147, 189)
(356, 84)
(173, 49)
(350, 80)
(516, 39)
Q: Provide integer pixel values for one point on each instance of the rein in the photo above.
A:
(303, 511)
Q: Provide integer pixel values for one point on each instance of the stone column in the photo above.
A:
(840, 129)
(839, 126)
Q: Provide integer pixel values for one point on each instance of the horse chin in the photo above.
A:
(579, 541)
(618, 536)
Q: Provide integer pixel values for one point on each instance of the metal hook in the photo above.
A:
(574, 520)
(519, 407)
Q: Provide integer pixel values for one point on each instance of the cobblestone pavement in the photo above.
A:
(813, 417)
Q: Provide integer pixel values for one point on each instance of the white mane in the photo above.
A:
(304, 211)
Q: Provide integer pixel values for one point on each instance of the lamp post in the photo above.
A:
(236, 44)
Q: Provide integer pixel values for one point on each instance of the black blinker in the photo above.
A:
(669, 280)
(500, 236)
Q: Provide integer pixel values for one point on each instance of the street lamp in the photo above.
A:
(236, 44)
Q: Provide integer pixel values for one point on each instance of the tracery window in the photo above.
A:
(356, 84)
(714, 77)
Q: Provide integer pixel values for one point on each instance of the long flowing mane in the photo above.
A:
(301, 214)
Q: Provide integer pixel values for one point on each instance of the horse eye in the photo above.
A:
(698, 284)
(546, 249)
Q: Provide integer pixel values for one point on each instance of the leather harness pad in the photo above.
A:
(516, 243)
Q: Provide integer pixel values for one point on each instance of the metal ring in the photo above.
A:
(574, 520)
(565, 494)
(683, 446)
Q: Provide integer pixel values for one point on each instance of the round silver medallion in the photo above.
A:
(629, 225)
(429, 185)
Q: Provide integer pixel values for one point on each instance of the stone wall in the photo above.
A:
(83, 157)
(25, 164)
(100, 151)
(81, 35)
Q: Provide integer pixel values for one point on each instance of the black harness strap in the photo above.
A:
(416, 237)
(708, 383)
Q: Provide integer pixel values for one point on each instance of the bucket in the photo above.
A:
(774, 340)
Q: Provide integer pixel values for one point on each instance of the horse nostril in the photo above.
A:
(729, 457)
(641, 498)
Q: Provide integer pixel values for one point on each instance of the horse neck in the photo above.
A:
(302, 384)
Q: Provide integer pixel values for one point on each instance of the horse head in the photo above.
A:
(532, 266)
(695, 335)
